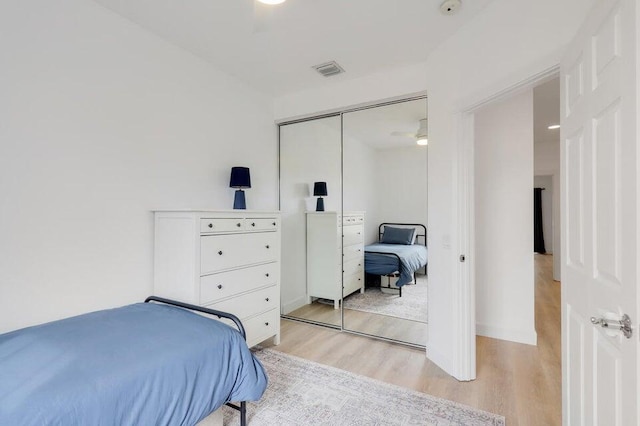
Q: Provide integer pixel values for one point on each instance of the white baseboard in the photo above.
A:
(293, 305)
(518, 336)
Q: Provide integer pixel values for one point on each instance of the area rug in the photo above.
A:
(412, 305)
(302, 392)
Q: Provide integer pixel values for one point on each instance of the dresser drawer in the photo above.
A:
(251, 303)
(353, 220)
(221, 225)
(262, 224)
(226, 284)
(262, 326)
(352, 266)
(352, 235)
(355, 251)
(353, 282)
(219, 252)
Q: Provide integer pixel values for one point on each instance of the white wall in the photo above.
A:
(547, 162)
(360, 192)
(310, 152)
(503, 179)
(548, 224)
(510, 41)
(389, 184)
(101, 122)
(401, 179)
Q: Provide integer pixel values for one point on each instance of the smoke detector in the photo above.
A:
(328, 69)
(450, 7)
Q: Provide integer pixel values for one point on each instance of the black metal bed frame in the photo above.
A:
(395, 274)
(220, 314)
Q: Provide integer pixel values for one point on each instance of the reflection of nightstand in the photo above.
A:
(326, 234)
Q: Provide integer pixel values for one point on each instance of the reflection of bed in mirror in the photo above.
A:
(399, 253)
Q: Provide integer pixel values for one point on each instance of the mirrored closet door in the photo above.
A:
(384, 221)
(353, 198)
(311, 180)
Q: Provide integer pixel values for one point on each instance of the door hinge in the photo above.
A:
(462, 258)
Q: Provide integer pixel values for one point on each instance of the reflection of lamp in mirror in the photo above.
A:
(320, 190)
(240, 178)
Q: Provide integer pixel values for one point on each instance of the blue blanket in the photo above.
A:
(143, 364)
(412, 257)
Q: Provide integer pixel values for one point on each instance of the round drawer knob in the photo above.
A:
(266, 323)
(273, 223)
(266, 275)
(267, 246)
(253, 224)
(220, 286)
(220, 252)
(267, 299)
(238, 225)
(211, 225)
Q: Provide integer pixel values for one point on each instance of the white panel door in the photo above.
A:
(600, 218)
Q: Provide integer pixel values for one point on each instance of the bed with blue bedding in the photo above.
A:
(142, 364)
(399, 252)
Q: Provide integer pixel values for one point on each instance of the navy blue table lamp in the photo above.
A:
(240, 178)
(320, 190)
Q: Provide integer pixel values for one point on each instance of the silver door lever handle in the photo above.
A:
(624, 324)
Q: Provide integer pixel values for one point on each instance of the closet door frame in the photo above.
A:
(340, 112)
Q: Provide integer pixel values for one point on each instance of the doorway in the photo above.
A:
(515, 140)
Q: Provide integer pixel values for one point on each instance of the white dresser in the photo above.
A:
(328, 260)
(224, 260)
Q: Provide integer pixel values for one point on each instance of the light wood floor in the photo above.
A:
(521, 382)
(386, 326)
(400, 329)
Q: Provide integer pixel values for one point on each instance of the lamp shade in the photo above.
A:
(320, 189)
(240, 177)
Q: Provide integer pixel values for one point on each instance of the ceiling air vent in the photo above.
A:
(328, 69)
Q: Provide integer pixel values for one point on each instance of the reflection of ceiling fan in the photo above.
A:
(420, 135)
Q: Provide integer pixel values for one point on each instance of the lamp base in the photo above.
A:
(320, 205)
(239, 202)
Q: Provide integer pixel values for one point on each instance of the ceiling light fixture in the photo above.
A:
(271, 1)
(553, 127)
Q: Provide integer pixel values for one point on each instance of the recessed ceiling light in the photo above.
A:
(422, 141)
(553, 127)
(271, 1)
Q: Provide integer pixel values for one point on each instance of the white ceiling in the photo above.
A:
(274, 49)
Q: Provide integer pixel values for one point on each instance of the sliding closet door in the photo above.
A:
(310, 152)
(384, 181)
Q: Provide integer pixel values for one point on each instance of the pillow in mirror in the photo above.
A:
(393, 235)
